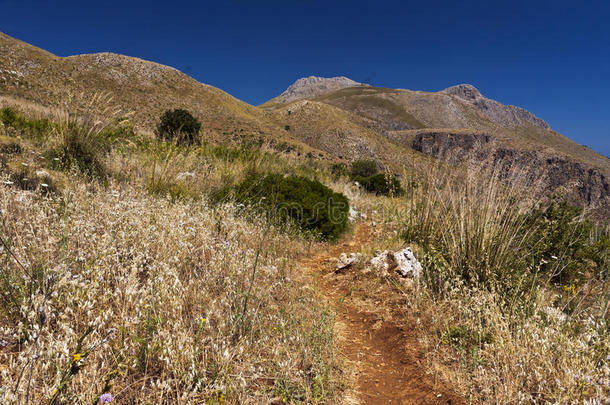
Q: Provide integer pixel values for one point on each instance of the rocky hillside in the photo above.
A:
(31, 76)
(312, 86)
(330, 118)
(505, 115)
(457, 125)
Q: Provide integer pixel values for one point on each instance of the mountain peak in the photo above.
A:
(464, 91)
(313, 86)
(507, 115)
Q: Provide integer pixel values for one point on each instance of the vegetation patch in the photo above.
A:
(364, 168)
(309, 204)
(179, 126)
(80, 151)
(175, 191)
(367, 174)
(33, 127)
(381, 184)
(500, 270)
(566, 246)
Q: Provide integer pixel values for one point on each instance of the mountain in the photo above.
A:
(312, 86)
(336, 119)
(36, 78)
(457, 125)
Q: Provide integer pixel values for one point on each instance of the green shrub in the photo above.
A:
(309, 204)
(564, 243)
(179, 126)
(35, 127)
(8, 116)
(381, 184)
(364, 168)
(80, 150)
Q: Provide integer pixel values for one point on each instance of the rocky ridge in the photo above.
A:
(313, 86)
(507, 115)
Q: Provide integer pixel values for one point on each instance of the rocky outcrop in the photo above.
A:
(506, 115)
(344, 261)
(312, 86)
(581, 184)
(402, 262)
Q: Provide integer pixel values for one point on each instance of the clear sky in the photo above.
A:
(550, 57)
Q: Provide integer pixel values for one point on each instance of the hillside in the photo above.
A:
(138, 87)
(460, 125)
(348, 246)
(334, 119)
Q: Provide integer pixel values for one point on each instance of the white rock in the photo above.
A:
(403, 261)
(346, 261)
(380, 261)
(407, 264)
(353, 214)
(185, 176)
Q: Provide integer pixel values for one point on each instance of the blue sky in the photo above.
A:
(550, 57)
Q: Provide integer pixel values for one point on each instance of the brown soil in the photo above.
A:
(377, 339)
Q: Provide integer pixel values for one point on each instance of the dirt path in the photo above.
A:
(379, 342)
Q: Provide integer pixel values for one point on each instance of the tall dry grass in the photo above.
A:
(128, 293)
(492, 324)
(109, 286)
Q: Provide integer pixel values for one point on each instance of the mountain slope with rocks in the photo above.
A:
(334, 119)
(460, 125)
(312, 86)
(144, 89)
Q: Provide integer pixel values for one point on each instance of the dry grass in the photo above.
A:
(162, 287)
(115, 288)
(109, 287)
(495, 328)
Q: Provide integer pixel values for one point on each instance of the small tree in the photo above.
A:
(180, 126)
(364, 168)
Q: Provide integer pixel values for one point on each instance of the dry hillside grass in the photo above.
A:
(125, 281)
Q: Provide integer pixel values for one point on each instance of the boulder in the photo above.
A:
(346, 261)
(406, 263)
(402, 261)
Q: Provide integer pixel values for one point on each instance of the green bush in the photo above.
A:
(309, 204)
(381, 184)
(565, 245)
(8, 116)
(366, 173)
(179, 126)
(36, 127)
(80, 150)
(364, 168)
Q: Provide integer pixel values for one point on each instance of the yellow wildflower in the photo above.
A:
(77, 357)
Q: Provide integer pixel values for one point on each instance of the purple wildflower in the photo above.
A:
(106, 398)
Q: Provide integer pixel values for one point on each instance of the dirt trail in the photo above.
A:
(385, 352)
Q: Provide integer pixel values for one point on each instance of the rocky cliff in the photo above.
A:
(577, 182)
